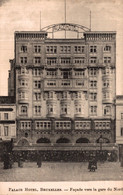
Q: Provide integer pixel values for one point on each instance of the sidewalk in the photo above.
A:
(61, 171)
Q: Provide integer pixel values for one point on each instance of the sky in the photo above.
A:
(24, 15)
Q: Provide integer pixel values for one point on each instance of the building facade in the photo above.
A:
(7, 123)
(119, 123)
(65, 89)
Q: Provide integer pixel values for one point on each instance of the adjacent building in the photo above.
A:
(65, 89)
(119, 123)
(7, 122)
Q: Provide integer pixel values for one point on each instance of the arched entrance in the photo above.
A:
(63, 140)
(23, 142)
(43, 140)
(82, 140)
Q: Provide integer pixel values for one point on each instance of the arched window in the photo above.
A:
(82, 140)
(43, 140)
(63, 140)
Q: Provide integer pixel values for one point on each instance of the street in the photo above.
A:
(61, 171)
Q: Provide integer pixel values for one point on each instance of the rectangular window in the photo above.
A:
(51, 61)
(51, 83)
(63, 125)
(93, 96)
(107, 60)
(93, 84)
(43, 125)
(93, 72)
(51, 73)
(79, 60)
(25, 125)
(79, 49)
(121, 115)
(93, 60)
(82, 125)
(80, 83)
(23, 48)
(36, 72)
(80, 73)
(93, 110)
(37, 49)
(107, 48)
(65, 61)
(51, 49)
(37, 84)
(6, 116)
(23, 60)
(122, 131)
(6, 130)
(37, 110)
(93, 49)
(65, 83)
(65, 49)
(37, 96)
(37, 60)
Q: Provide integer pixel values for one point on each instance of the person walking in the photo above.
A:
(39, 160)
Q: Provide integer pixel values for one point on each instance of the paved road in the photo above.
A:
(51, 171)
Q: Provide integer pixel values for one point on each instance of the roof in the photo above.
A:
(7, 99)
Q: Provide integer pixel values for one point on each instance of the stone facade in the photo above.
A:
(65, 88)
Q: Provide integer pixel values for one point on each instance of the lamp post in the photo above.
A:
(100, 141)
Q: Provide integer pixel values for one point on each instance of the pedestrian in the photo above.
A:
(6, 161)
(20, 161)
(39, 160)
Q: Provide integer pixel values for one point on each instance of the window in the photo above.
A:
(107, 110)
(6, 116)
(24, 109)
(62, 125)
(79, 60)
(37, 49)
(23, 71)
(93, 96)
(107, 83)
(65, 95)
(23, 95)
(78, 109)
(80, 83)
(107, 60)
(51, 49)
(37, 110)
(23, 82)
(51, 61)
(37, 84)
(37, 60)
(92, 72)
(78, 95)
(121, 115)
(80, 73)
(106, 95)
(93, 60)
(43, 125)
(66, 74)
(65, 49)
(79, 49)
(65, 83)
(36, 72)
(107, 48)
(93, 110)
(51, 73)
(51, 95)
(37, 96)
(82, 125)
(23, 48)
(0, 131)
(51, 83)
(23, 60)
(25, 125)
(65, 60)
(93, 84)
(102, 125)
(121, 131)
(65, 109)
(93, 49)
(6, 130)
(51, 109)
